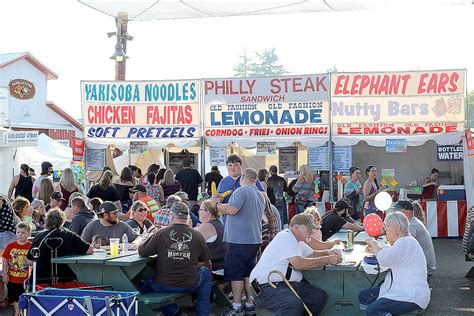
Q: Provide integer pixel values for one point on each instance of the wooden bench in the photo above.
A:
(157, 300)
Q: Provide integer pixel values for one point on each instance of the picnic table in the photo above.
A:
(122, 272)
(344, 281)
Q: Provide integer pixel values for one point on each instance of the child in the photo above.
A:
(99, 241)
(15, 265)
(38, 213)
(21, 206)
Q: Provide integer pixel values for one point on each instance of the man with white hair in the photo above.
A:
(420, 233)
(243, 233)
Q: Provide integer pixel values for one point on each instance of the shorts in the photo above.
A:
(239, 261)
(14, 291)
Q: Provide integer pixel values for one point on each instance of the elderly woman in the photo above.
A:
(139, 222)
(213, 232)
(405, 288)
(316, 241)
(66, 242)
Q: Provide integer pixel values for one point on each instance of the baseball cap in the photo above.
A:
(180, 209)
(107, 207)
(203, 196)
(58, 196)
(342, 205)
(404, 204)
(138, 187)
(303, 219)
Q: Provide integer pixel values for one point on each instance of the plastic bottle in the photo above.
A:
(124, 243)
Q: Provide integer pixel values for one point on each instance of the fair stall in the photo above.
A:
(405, 124)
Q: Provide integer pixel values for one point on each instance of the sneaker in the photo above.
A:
(250, 310)
(232, 311)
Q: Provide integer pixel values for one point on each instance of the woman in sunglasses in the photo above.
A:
(139, 222)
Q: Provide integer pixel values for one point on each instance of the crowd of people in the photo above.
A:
(239, 235)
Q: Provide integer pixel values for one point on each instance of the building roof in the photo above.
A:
(64, 115)
(7, 59)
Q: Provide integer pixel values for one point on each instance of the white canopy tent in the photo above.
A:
(59, 155)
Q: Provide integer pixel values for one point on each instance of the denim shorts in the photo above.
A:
(239, 261)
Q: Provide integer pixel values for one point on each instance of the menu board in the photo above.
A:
(95, 159)
(218, 156)
(287, 159)
(318, 158)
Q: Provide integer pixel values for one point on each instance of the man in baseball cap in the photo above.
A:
(332, 222)
(109, 225)
(418, 230)
(288, 254)
(55, 200)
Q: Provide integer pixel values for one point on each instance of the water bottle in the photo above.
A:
(124, 243)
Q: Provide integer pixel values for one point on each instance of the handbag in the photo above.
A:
(301, 199)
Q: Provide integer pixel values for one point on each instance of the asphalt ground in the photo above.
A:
(452, 293)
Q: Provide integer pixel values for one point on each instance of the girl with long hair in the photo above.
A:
(67, 185)
(370, 190)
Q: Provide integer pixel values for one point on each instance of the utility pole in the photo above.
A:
(121, 63)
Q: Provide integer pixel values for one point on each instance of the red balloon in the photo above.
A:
(373, 225)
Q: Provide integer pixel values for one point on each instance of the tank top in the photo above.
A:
(217, 248)
(24, 187)
(429, 192)
(66, 195)
(370, 205)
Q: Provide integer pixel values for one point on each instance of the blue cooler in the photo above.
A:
(74, 302)
(451, 193)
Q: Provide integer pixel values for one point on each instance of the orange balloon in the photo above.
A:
(373, 225)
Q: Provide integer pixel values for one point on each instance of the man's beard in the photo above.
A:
(112, 221)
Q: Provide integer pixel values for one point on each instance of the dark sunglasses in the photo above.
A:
(142, 209)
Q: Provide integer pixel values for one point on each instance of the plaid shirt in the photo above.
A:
(162, 217)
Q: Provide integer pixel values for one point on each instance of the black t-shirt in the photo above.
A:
(134, 224)
(190, 180)
(332, 223)
(72, 245)
(123, 191)
(212, 177)
(109, 194)
(178, 249)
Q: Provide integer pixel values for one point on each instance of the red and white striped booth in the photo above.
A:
(445, 218)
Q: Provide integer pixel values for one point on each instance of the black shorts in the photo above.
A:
(239, 261)
(14, 291)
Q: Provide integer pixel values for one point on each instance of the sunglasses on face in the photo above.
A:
(142, 209)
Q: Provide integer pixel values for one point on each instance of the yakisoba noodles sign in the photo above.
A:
(141, 110)
(270, 106)
(422, 102)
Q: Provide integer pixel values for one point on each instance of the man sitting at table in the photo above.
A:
(335, 220)
(288, 254)
(109, 225)
(420, 233)
(182, 263)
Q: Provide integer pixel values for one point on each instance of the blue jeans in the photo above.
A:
(202, 288)
(282, 301)
(384, 306)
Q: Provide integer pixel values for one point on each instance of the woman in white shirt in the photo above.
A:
(405, 288)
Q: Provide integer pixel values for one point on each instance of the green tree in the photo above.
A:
(266, 64)
(243, 68)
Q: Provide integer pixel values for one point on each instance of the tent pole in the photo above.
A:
(331, 189)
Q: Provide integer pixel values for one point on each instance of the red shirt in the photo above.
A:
(15, 254)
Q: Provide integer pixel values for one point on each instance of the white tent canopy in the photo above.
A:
(47, 150)
(124, 144)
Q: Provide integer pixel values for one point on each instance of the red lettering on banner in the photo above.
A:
(224, 132)
(169, 115)
(390, 130)
(111, 114)
(259, 131)
(229, 86)
(438, 83)
(295, 84)
(375, 84)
